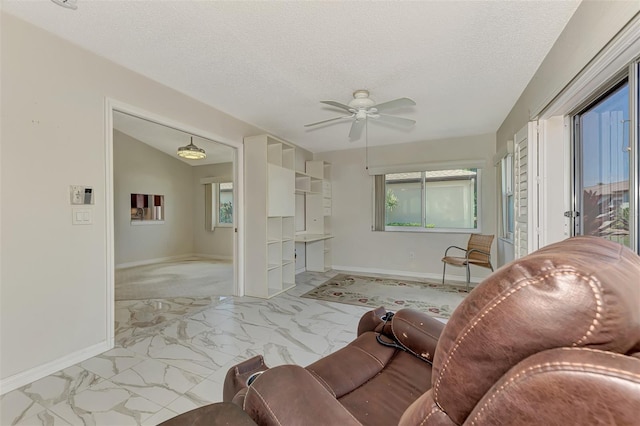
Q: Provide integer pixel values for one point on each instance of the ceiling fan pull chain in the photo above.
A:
(366, 145)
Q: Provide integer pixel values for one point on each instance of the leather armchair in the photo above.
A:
(552, 338)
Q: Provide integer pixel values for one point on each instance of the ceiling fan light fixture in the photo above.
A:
(69, 4)
(191, 152)
(361, 99)
(361, 115)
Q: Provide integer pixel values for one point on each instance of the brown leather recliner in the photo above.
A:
(550, 339)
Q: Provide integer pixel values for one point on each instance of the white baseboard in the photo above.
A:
(24, 378)
(213, 256)
(171, 258)
(423, 275)
(151, 261)
(298, 271)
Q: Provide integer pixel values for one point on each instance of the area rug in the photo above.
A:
(435, 299)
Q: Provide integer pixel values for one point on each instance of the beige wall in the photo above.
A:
(592, 26)
(356, 247)
(219, 242)
(141, 169)
(53, 276)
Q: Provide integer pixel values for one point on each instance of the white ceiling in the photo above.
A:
(167, 139)
(465, 63)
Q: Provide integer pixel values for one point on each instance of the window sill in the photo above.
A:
(432, 230)
(224, 225)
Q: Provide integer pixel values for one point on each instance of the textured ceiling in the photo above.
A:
(465, 63)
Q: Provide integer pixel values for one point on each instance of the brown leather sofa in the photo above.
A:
(550, 339)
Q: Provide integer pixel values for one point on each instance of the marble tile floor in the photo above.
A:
(171, 355)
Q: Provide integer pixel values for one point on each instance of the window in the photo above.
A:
(225, 204)
(439, 200)
(218, 205)
(603, 172)
(506, 183)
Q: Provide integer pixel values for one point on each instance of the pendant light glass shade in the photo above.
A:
(192, 152)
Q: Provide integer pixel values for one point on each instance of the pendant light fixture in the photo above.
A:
(69, 4)
(192, 152)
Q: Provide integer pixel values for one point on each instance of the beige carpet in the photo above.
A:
(435, 299)
(185, 278)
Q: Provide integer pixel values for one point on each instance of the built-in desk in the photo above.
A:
(309, 238)
(317, 251)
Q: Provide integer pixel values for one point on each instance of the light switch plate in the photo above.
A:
(81, 217)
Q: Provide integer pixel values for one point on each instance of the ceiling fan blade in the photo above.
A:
(338, 104)
(399, 121)
(396, 103)
(356, 129)
(326, 121)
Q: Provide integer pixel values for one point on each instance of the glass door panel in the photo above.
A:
(602, 167)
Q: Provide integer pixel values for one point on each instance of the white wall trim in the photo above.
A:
(155, 260)
(24, 378)
(109, 225)
(176, 258)
(212, 256)
(215, 179)
(401, 273)
(439, 165)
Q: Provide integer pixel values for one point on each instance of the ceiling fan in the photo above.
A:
(362, 107)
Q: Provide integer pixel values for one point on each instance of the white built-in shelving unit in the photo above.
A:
(270, 187)
(315, 184)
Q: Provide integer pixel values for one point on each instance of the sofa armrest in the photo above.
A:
(371, 320)
(288, 395)
(417, 332)
(238, 375)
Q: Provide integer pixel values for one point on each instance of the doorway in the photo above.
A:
(159, 234)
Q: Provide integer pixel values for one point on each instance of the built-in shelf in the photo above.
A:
(270, 185)
(315, 184)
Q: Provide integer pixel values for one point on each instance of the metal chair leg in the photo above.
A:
(468, 277)
(444, 268)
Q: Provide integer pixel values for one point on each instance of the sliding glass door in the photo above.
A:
(604, 169)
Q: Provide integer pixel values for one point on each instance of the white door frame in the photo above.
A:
(238, 194)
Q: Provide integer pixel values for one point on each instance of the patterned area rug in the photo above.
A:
(435, 299)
